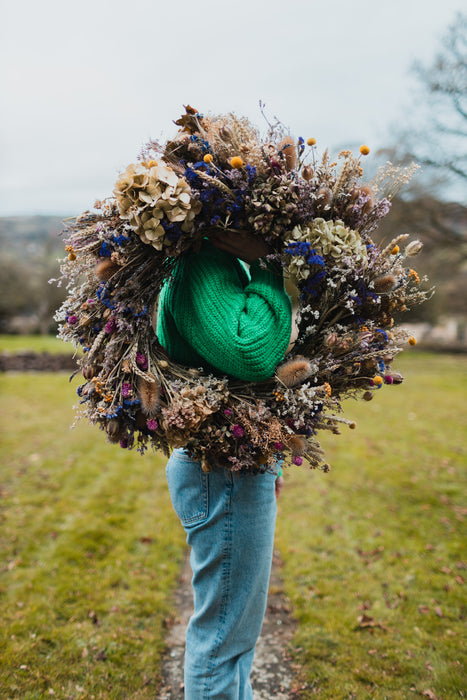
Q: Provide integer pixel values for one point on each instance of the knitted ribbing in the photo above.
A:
(211, 314)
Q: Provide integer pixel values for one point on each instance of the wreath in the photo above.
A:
(317, 216)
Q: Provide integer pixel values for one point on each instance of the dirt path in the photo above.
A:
(272, 675)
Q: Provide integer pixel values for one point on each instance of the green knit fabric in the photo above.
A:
(212, 314)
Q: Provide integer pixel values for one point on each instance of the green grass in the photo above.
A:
(383, 535)
(35, 343)
(91, 549)
(91, 552)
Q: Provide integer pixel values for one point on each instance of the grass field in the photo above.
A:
(373, 552)
(34, 343)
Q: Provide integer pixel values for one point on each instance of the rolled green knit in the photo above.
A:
(212, 314)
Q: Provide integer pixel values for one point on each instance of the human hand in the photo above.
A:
(279, 485)
(241, 244)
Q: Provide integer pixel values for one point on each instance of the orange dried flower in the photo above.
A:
(236, 162)
(311, 141)
(412, 340)
(208, 158)
(395, 250)
(364, 150)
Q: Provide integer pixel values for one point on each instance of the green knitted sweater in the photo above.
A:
(213, 314)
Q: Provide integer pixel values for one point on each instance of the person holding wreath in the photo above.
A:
(215, 314)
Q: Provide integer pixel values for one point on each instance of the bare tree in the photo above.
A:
(439, 140)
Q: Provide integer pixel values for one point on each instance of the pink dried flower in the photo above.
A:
(72, 320)
(141, 361)
(126, 390)
(237, 431)
(110, 326)
(278, 446)
(228, 412)
(152, 424)
(297, 460)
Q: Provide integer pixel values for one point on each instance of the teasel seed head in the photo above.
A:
(323, 197)
(205, 466)
(105, 269)
(149, 395)
(307, 172)
(296, 445)
(288, 151)
(368, 192)
(368, 396)
(114, 430)
(384, 284)
(294, 371)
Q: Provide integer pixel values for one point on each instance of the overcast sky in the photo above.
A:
(85, 83)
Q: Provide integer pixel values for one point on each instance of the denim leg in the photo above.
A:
(229, 520)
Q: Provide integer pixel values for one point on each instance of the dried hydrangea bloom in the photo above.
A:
(332, 239)
(149, 192)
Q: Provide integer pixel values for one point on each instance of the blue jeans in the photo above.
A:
(229, 520)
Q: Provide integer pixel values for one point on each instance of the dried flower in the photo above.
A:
(208, 158)
(412, 340)
(295, 371)
(237, 431)
(364, 150)
(384, 284)
(413, 248)
(288, 150)
(149, 395)
(152, 424)
(236, 162)
(297, 460)
(311, 141)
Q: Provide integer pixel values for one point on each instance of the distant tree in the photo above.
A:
(16, 293)
(439, 139)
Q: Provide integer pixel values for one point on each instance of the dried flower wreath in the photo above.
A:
(317, 217)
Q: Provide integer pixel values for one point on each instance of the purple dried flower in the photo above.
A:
(126, 390)
(72, 320)
(90, 302)
(278, 446)
(142, 361)
(228, 412)
(110, 326)
(237, 431)
(297, 460)
(124, 443)
(152, 424)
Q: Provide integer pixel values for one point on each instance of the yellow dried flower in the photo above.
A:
(208, 158)
(412, 340)
(364, 150)
(311, 141)
(395, 250)
(236, 162)
(377, 381)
